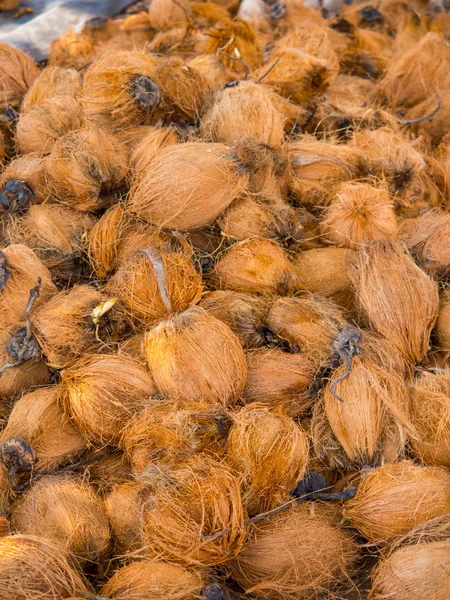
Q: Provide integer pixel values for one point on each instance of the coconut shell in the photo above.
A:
(279, 380)
(399, 299)
(66, 511)
(23, 182)
(187, 186)
(199, 498)
(71, 50)
(18, 73)
(103, 393)
(123, 506)
(394, 498)
(294, 555)
(194, 356)
(52, 82)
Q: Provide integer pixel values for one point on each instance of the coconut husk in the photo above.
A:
(103, 393)
(189, 504)
(294, 555)
(442, 331)
(257, 265)
(377, 349)
(71, 50)
(134, 348)
(297, 16)
(423, 194)
(151, 144)
(110, 469)
(258, 439)
(359, 213)
(66, 511)
(101, 29)
(40, 567)
(194, 356)
(394, 498)
(208, 14)
(308, 324)
(399, 299)
(244, 315)
(123, 506)
(154, 579)
(182, 41)
(436, 126)
(172, 431)
(367, 54)
(84, 166)
(9, 4)
(187, 186)
(165, 14)
(279, 381)
(52, 82)
(18, 73)
(131, 137)
(212, 69)
(22, 182)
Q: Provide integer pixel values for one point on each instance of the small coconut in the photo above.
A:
(105, 238)
(40, 567)
(210, 13)
(66, 511)
(52, 82)
(134, 347)
(212, 69)
(103, 393)
(394, 498)
(279, 381)
(182, 41)
(188, 504)
(148, 147)
(23, 182)
(244, 315)
(173, 430)
(359, 213)
(84, 166)
(123, 506)
(18, 73)
(71, 50)
(442, 331)
(154, 579)
(257, 265)
(187, 186)
(165, 14)
(38, 418)
(194, 356)
(294, 555)
(399, 299)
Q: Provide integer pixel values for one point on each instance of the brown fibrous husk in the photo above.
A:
(148, 147)
(71, 50)
(442, 330)
(123, 505)
(165, 14)
(52, 82)
(31, 169)
(18, 73)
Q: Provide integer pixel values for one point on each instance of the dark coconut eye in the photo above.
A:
(16, 195)
(370, 14)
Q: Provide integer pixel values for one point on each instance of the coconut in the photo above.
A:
(244, 315)
(84, 165)
(295, 16)
(71, 50)
(18, 73)
(148, 147)
(294, 555)
(399, 299)
(186, 507)
(134, 347)
(257, 265)
(38, 418)
(194, 356)
(359, 213)
(66, 511)
(31, 567)
(377, 349)
(394, 498)
(209, 13)
(52, 82)
(22, 182)
(123, 506)
(435, 127)
(103, 393)
(442, 330)
(187, 186)
(257, 440)
(309, 324)
(212, 69)
(154, 579)
(173, 430)
(279, 381)
(165, 14)
(182, 41)
(108, 470)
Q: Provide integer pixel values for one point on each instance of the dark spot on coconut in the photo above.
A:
(370, 14)
(16, 196)
(342, 25)
(278, 11)
(146, 92)
(215, 591)
(96, 22)
(18, 458)
(402, 179)
(22, 349)
(4, 273)
(312, 482)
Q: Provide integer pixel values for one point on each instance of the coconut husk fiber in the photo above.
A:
(24, 181)
(123, 505)
(52, 82)
(186, 505)
(18, 73)
(212, 69)
(442, 330)
(67, 511)
(399, 299)
(194, 356)
(150, 145)
(71, 51)
(294, 555)
(164, 14)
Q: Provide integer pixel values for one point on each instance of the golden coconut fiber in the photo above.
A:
(151, 144)
(442, 330)
(394, 498)
(101, 29)
(194, 356)
(52, 82)
(400, 301)
(279, 380)
(24, 181)
(67, 511)
(183, 41)
(31, 568)
(24, 269)
(188, 505)
(421, 195)
(377, 349)
(134, 347)
(187, 186)
(151, 284)
(255, 266)
(165, 14)
(85, 166)
(368, 53)
(435, 127)
(244, 110)
(38, 129)
(71, 50)
(132, 136)
(123, 505)
(154, 579)
(38, 418)
(210, 13)
(359, 213)
(244, 314)
(308, 324)
(426, 237)
(297, 16)
(103, 393)
(108, 470)
(18, 73)
(212, 69)
(315, 41)
(270, 452)
(294, 555)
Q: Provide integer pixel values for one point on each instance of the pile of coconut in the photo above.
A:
(225, 305)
